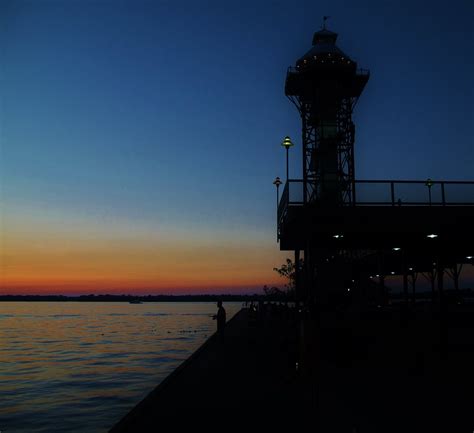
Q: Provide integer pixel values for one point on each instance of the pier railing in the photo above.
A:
(390, 193)
(414, 193)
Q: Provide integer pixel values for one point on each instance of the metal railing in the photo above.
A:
(390, 193)
(292, 195)
(413, 193)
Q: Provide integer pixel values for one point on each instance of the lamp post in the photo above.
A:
(277, 182)
(287, 143)
(429, 184)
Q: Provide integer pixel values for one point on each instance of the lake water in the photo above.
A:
(81, 366)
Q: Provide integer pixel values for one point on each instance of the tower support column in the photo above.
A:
(405, 278)
(297, 277)
(440, 272)
(432, 281)
(414, 277)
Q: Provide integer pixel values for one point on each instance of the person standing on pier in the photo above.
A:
(220, 317)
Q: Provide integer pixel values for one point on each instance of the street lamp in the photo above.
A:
(287, 143)
(277, 182)
(429, 184)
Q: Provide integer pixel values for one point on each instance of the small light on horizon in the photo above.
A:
(396, 249)
(393, 273)
(338, 236)
(432, 236)
(469, 257)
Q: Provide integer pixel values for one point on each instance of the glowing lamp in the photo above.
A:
(287, 143)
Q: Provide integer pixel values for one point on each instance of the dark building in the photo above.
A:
(353, 233)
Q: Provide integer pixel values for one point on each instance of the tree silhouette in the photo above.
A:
(288, 271)
(273, 292)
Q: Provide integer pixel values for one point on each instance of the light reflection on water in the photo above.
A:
(81, 366)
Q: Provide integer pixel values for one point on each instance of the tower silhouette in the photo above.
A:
(325, 86)
(353, 232)
(356, 234)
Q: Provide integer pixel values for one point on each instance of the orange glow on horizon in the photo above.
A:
(39, 258)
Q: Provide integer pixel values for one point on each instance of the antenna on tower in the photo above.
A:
(325, 18)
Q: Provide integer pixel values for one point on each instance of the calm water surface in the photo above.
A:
(79, 367)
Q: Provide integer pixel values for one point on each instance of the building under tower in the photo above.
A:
(354, 233)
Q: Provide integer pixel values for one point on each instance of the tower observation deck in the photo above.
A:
(360, 230)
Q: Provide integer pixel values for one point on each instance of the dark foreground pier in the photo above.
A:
(248, 372)
(387, 369)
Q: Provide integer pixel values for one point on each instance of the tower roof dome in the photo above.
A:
(324, 35)
(324, 43)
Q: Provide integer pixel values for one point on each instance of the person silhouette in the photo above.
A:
(220, 317)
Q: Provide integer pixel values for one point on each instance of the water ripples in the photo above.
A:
(82, 366)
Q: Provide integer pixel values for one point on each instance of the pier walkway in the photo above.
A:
(246, 374)
(383, 370)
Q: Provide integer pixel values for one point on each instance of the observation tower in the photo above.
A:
(354, 233)
(325, 85)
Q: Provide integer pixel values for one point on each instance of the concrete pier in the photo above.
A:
(387, 369)
(249, 372)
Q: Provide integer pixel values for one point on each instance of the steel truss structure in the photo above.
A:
(319, 184)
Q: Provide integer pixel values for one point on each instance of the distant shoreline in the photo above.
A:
(425, 295)
(128, 298)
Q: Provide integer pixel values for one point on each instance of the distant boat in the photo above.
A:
(135, 301)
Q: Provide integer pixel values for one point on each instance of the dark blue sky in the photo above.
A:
(174, 111)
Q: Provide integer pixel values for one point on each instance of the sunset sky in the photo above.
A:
(139, 140)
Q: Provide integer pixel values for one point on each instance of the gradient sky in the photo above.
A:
(139, 140)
